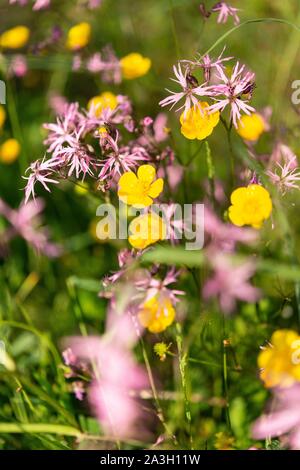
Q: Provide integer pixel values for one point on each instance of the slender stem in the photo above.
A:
(182, 367)
(225, 344)
(173, 25)
(159, 409)
(228, 129)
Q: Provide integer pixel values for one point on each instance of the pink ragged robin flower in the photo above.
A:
(231, 92)
(41, 171)
(207, 64)
(190, 90)
(285, 176)
(118, 160)
(225, 10)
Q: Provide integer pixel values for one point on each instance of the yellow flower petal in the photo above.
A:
(146, 173)
(156, 188)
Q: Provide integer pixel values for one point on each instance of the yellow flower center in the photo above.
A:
(134, 65)
(251, 127)
(198, 123)
(280, 362)
(156, 314)
(251, 205)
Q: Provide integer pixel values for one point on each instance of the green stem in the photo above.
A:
(173, 26)
(159, 409)
(182, 367)
(248, 22)
(225, 375)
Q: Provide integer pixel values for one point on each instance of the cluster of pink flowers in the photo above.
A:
(233, 92)
(69, 154)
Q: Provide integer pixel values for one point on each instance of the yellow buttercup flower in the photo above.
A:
(2, 116)
(251, 127)
(78, 36)
(145, 230)
(140, 190)
(198, 123)
(100, 102)
(156, 314)
(251, 205)
(15, 38)
(134, 65)
(280, 362)
(9, 151)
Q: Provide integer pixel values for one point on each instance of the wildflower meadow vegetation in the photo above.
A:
(149, 236)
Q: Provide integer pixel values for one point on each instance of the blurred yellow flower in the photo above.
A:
(156, 314)
(134, 65)
(100, 102)
(280, 361)
(2, 116)
(251, 127)
(198, 123)
(251, 205)
(9, 151)
(78, 36)
(140, 190)
(145, 230)
(15, 38)
(223, 441)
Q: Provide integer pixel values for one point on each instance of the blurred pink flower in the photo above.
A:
(283, 419)
(160, 127)
(230, 282)
(41, 4)
(107, 64)
(151, 286)
(224, 237)
(285, 177)
(117, 377)
(240, 83)
(19, 2)
(225, 10)
(26, 223)
(18, 66)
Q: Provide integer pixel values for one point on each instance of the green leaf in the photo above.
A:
(38, 428)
